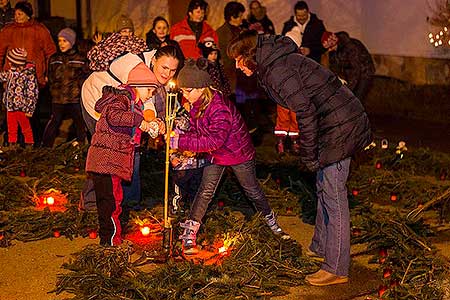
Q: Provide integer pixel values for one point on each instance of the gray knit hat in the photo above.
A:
(69, 35)
(194, 74)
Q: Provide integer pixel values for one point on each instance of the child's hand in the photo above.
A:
(161, 126)
(145, 126)
(28, 115)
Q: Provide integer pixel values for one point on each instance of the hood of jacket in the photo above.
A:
(109, 94)
(270, 48)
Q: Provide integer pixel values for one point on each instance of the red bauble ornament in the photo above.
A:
(394, 283)
(394, 197)
(355, 192)
(387, 273)
(22, 173)
(289, 210)
(220, 203)
(56, 234)
(278, 181)
(93, 234)
(381, 290)
(356, 232)
(378, 165)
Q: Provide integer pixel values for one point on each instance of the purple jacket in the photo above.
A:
(220, 131)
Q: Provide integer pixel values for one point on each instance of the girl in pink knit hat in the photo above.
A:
(117, 135)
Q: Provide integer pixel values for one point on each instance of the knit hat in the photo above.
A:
(142, 76)
(207, 48)
(194, 75)
(69, 35)
(329, 39)
(26, 7)
(17, 56)
(124, 22)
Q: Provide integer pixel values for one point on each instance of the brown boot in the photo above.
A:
(324, 278)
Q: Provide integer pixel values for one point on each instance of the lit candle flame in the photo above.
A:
(171, 85)
(145, 230)
(49, 200)
(223, 250)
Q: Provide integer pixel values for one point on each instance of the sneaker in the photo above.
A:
(189, 236)
(271, 221)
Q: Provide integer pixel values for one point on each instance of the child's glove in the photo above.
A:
(153, 130)
(161, 126)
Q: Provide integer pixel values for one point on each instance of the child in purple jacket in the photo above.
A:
(217, 128)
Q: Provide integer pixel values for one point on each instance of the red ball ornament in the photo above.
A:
(381, 290)
(289, 210)
(355, 192)
(394, 197)
(356, 232)
(22, 173)
(378, 165)
(387, 273)
(394, 283)
(383, 252)
(278, 181)
(220, 204)
(56, 234)
(93, 234)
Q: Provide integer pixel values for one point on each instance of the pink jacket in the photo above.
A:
(220, 131)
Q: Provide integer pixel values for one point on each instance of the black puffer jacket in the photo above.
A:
(332, 121)
(66, 74)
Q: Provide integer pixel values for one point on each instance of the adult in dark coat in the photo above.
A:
(351, 61)
(258, 19)
(334, 126)
(6, 13)
(306, 29)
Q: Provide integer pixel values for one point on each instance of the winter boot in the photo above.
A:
(189, 236)
(280, 144)
(271, 221)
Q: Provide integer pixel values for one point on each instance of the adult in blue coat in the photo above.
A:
(334, 126)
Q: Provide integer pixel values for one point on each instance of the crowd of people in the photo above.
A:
(115, 94)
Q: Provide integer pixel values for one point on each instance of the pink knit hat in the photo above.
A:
(142, 76)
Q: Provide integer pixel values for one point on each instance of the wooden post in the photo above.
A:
(177, 10)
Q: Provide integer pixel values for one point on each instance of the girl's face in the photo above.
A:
(161, 29)
(212, 56)
(164, 68)
(144, 93)
(64, 44)
(192, 95)
(20, 17)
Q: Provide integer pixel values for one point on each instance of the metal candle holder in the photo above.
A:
(170, 114)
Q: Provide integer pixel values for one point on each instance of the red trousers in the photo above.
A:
(286, 123)
(14, 119)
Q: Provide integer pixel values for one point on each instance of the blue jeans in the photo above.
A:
(245, 174)
(331, 238)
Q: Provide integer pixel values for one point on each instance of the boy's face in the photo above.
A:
(144, 93)
(197, 15)
(212, 56)
(64, 44)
